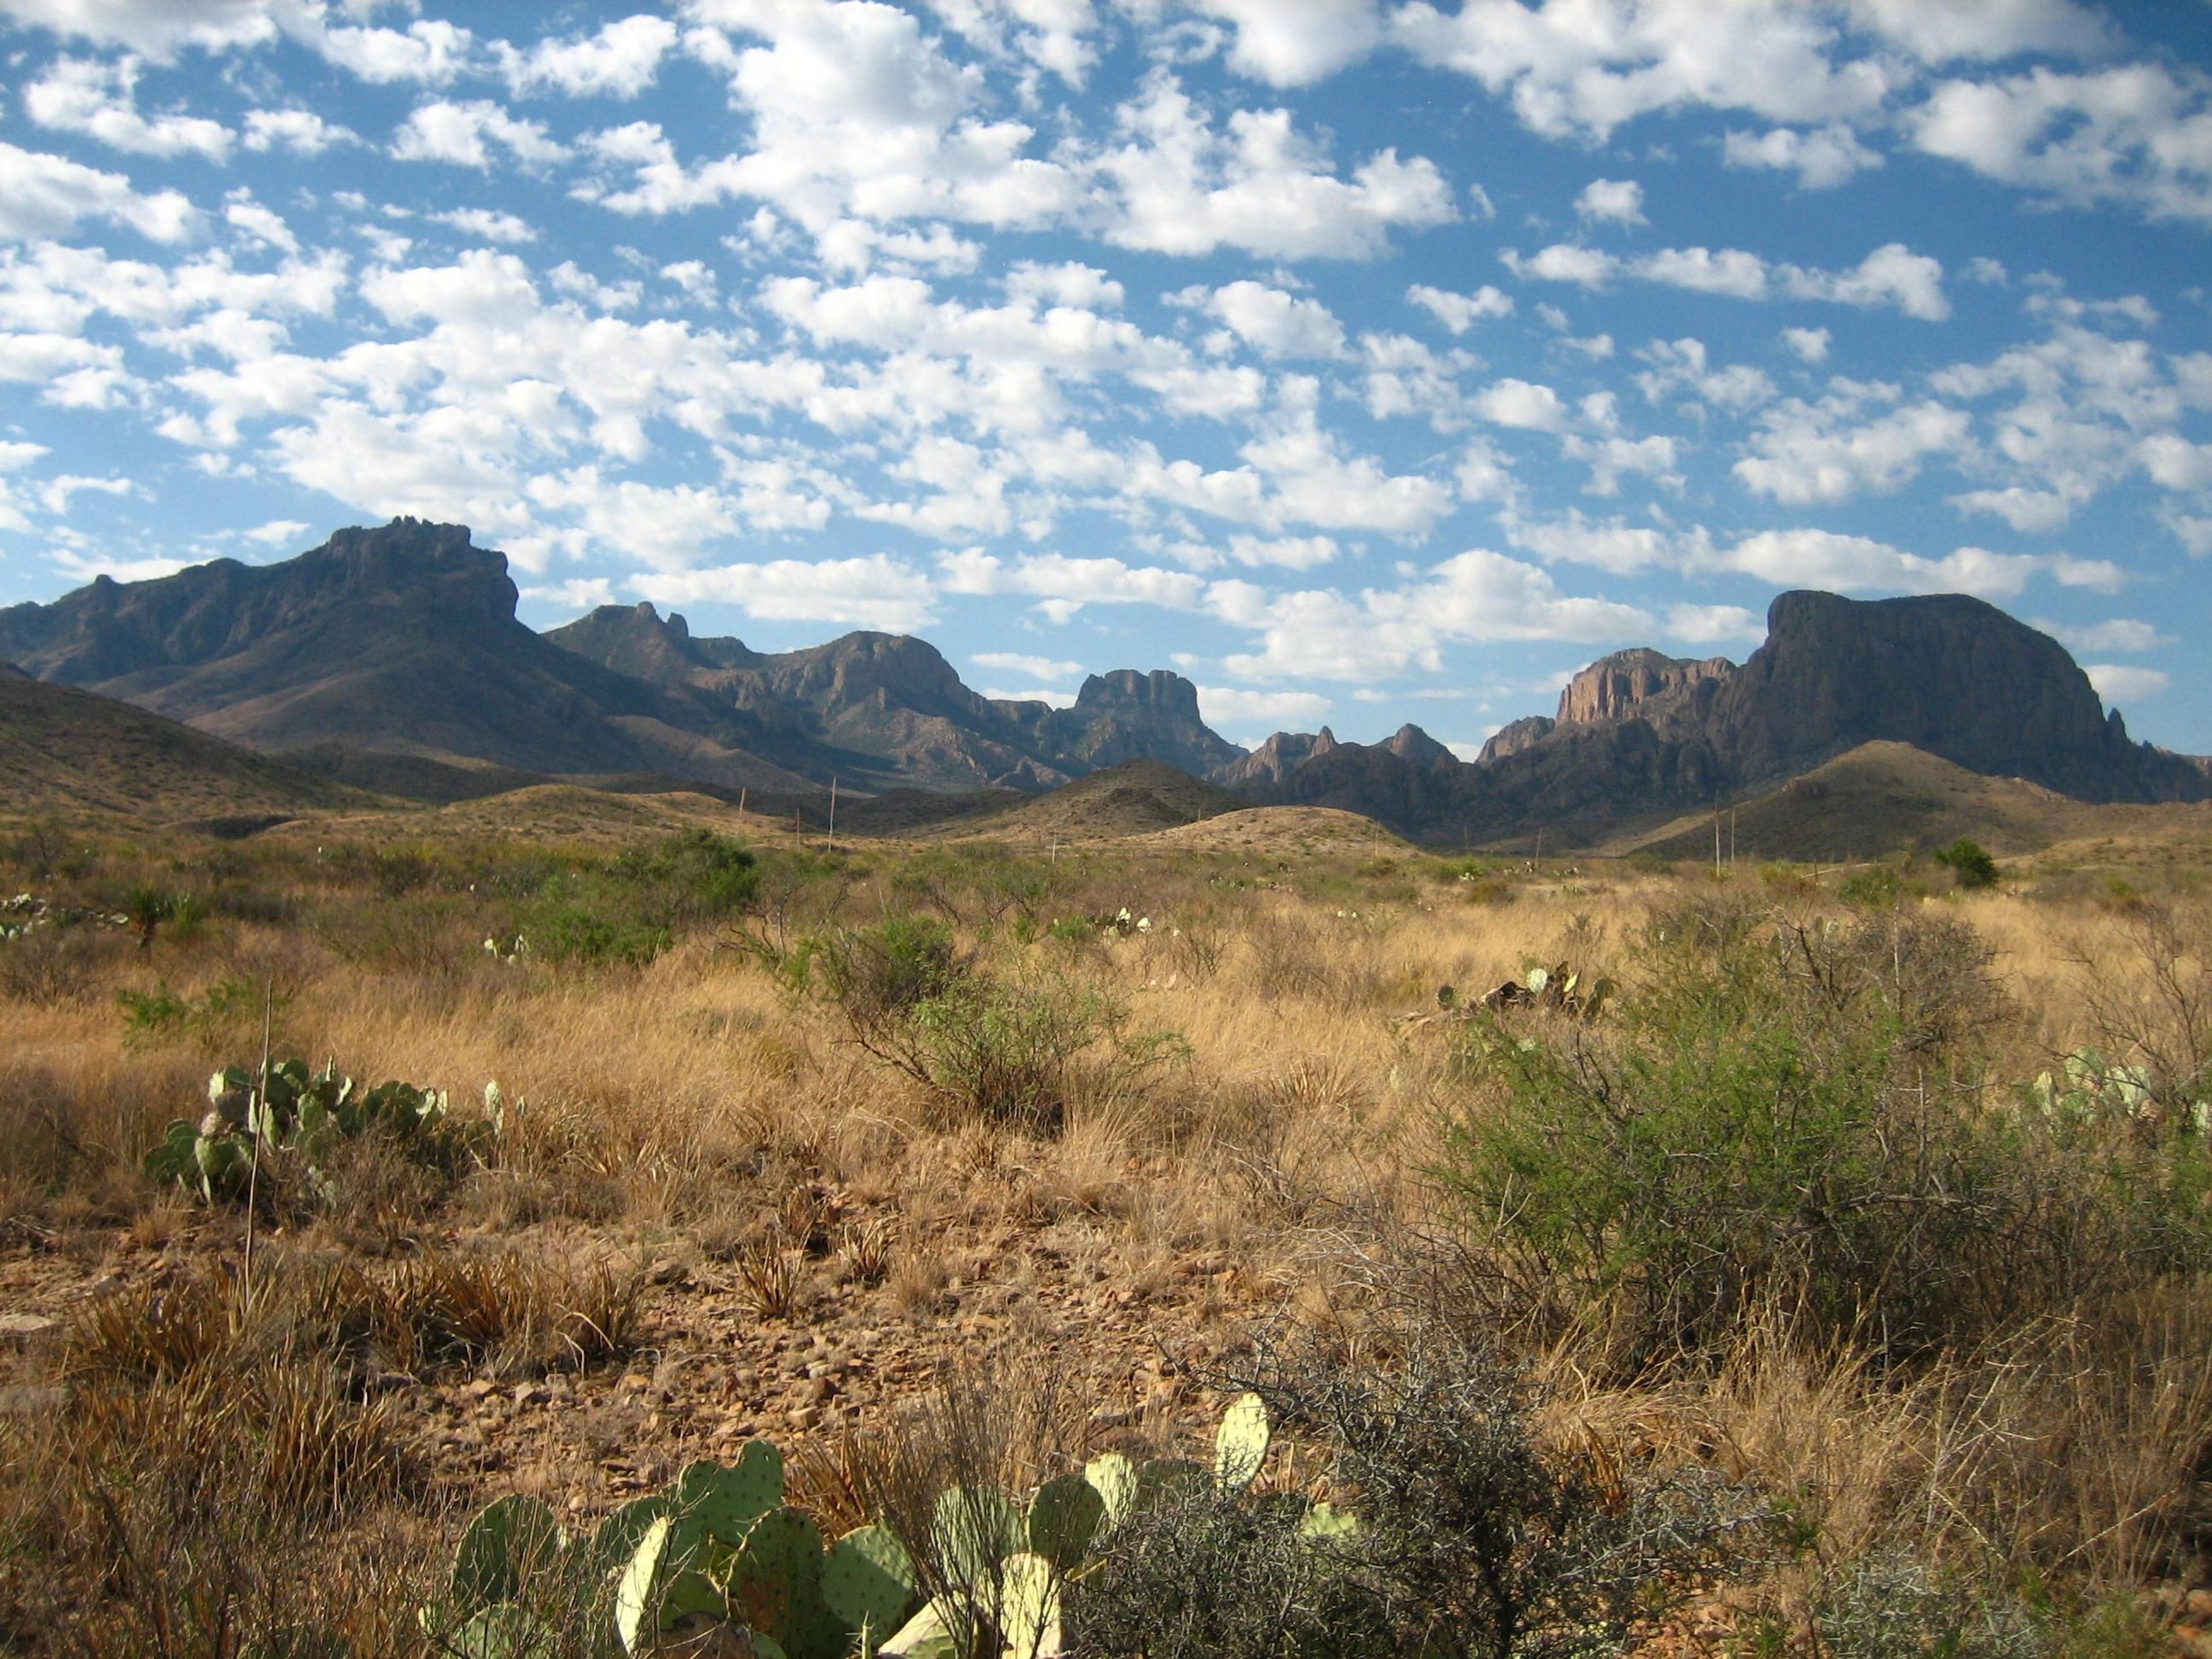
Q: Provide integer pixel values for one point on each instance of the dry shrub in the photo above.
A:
(52, 967)
(1297, 956)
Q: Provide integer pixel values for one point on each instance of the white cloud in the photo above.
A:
(1182, 187)
(1831, 451)
(1012, 662)
(488, 224)
(1476, 597)
(157, 27)
(1523, 404)
(1681, 366)
(2030, 511)
(877, 591)
(429, 52)
(100, 102)
(1808, 345)
(442, 130)
(1276, 323)
(1715, 624)
(1891, 275)
(302, 132)
(2118, 634)
(2138, 133)
(43, 195)
(2119, 683)
(620, 61)
(1231, 705)
(277, 533)
(1063, 586)
(1461, 311)
(1294, 45)
(1822, 158)
(1611, 201)
(1028, 694)
(1821, 558)
(1580, 68)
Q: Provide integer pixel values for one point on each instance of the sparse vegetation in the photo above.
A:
(1801, 1262)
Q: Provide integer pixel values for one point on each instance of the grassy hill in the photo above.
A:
(1135, 798)
(65, 750)
(1884, 798)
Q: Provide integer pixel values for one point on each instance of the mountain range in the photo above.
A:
(392, 658)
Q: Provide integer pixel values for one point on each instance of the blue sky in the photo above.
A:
(1367, 360)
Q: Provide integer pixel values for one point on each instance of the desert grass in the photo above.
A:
(696, 1110)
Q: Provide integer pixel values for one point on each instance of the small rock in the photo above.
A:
(1111, 1417)
(23, 1400)
(24, 1324)
(479, 1389)
(803, 1418)
(525, 1392)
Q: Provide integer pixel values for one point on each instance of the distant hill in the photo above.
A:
(896, 711)
(1133, 797)
(63, 750)
(1890, 797)
(402, 641)
(1639, 736)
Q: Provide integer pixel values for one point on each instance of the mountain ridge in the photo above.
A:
(402, 640)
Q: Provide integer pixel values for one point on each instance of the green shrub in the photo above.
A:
(1006, 1050)
(1792, 1117)
(1969, 865)
(594, 936)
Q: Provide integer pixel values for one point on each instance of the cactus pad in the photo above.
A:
(1239, 1446)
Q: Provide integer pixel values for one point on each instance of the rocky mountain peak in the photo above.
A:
(1162, 691)
(1623, 685)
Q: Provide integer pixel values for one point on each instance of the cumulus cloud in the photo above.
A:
(1611, 201)
(1839, 447)
(302, 132)
(1822, 158)
(1184, 187)
(1478, 596)
(1233, 705)
(620, 61)
(1892, 274)
(1013, 662)
(100, 100)
(876, 592)
(1276, 323)
(2119, 683)
(43, 195)
(462, 134)
(1461, 311)
(1294, 45)
(2138, 133)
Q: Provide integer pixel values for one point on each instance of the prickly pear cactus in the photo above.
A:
(502, 1547)
(637, 1594)
(1029, 1607)
(1066, 1514)
(1240, 1445)
(1114, 1478)
(868, 1582)
(775, 1586)
(975, 1528)
(722, 1504)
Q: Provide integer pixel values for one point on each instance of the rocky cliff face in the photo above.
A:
(1642, 734)
(1271, 764)
(1635, 684)
(1511, 739)
(1948, 674)
(887, 710)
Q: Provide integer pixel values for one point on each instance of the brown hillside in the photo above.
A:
(1883, 797)
(1133, 798)
(67, 750)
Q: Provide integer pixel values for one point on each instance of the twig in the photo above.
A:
(262, 1117)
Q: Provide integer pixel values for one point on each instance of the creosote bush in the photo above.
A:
(1792, 1114)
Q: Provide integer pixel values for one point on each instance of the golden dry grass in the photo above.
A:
(692, 1117)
